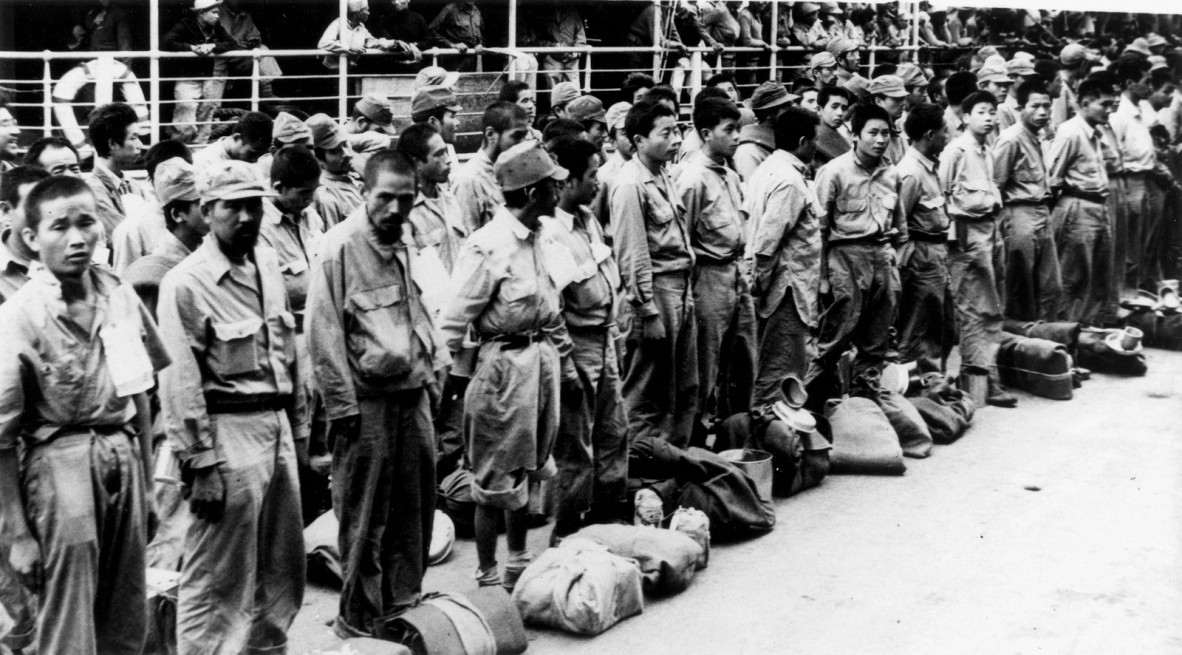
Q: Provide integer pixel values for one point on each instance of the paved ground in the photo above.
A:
(1052, 528)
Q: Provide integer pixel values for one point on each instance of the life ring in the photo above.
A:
(91, 72)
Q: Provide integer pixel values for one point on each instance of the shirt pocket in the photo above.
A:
(1028, 175)
(883, 204)
(232, 351)
(516, 289)
(379, 340)
(283, 328)
(851, 207)
(660, 212)
(974, 196)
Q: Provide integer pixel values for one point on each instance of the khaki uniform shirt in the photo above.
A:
(712, 196)
(966, 175)
(109, 191)
(438, 224)
(337, 197)
(920, 195)
(1131, 128)
(785, 241)
(583, 268)
(501, 286)
(138, 235)
(476, 189)
(607, 176)
(650, 232)
(230, 332)
(294, 242)
(1076, 158)
(55, 373)
(14, 269)
(212, 154)
(857, 202)
(369, 333)
(1019, 168)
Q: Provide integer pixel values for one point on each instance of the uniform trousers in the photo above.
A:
(1138, 229)
(84, 497)
(242, 581)
(383, 492)
(591, 450)
(661, 382)
(786, 347)
(726, 331)
(927, 321)
(1032, 282)
(975, 260)
(864, 283)
(1117, 211)
(1084, 242)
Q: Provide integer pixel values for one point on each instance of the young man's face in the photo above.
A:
(999, 90)
(388, 204)
(235, 223)
(437, 166)
(1137, 90)
(194, 218)
(980, 119)
(731, 91)
(528, 101)
(15, 216)
(850, 60)
(597, 133)
(808, 100)
(209, 17)
(623, 144)
(834, 111)
(59, 161)
(872, 141)
(126, 152)
(514, 135)
(824, 76)
(893, 106)
(447, 126)
(1037, 112)
(9, 133)
(296, 198)
(247, 151)
(338, 161)
(67, 235)
(722, 140)
(916, 95)
(584, 189)
(662, 142)
(1096, 110)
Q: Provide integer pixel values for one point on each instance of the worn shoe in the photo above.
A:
(518, 562)
(488, 578)
(999, 397)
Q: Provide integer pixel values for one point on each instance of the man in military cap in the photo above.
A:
(849, 59)
(888, 92)
(439, 107)
(368, 128)
(504, 291)
(288, 130)
(758, 140)
(233, 408)
(588, 112)
(562, 95)
(340, 189)
(822, 69)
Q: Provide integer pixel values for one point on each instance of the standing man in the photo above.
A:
(460, 25)
(340, 190)
(80, 352)
(435, 218)
(201, 33)
(1032, 283)
(996, 81)
(504, 125)
(957, 87)
(591, 450)
(116, 148)
(785, 248)
(711, 195)
(16, 256)
(849, 59)
(652, 243)
(978, 256)
(926, 322)
(368, 128)
(557, 25)
(758, 140)
(505, 294)
(888, 92)
(375, 353)
(1077, 176)
(858, 194)
(615, 116)
(833, 102)
(1130, 125)
(232, 409)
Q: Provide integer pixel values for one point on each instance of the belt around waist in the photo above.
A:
(1091, 196)
(517, 340)
(1135, 173)
(927, 238)
(1028, 202)
(707, 260)
(59, 434)
(872, 240)
(245, 404)
(590, 329)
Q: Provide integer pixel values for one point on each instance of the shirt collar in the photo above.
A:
(566, 218)
(220, 264)
(8, 256)
(923, 159)
(106, 175)
(515, 226)
(799, 165)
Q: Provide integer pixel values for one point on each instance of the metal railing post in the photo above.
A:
(254, 81)
(695, 74)
(773, 58)
(512, 69)
(47, 97)
(343, 61)
(586, 58)
(658, 33)
(154, 70)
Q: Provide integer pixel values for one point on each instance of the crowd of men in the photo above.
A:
(308, 286)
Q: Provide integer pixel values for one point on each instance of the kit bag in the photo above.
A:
(727, 495)
(914, 437)
(443, 624)
(1066, 333)
(580, 588)
(455, 492)
(863, 440)
(668, 560)
(799, 460)
(696, 524)
(944, 423)
(1036, 366)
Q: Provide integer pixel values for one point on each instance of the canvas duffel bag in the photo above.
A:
(579, 588)
(1037, 366)
(863, 439)
(668, 560)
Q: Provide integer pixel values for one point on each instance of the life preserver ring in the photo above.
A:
(90, 72)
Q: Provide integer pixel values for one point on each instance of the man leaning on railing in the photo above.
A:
(200, 32)
(355, 38)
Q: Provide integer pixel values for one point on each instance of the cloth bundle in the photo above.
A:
(668, 559)
(1038, 366)
(481, 623)
(579, 587)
